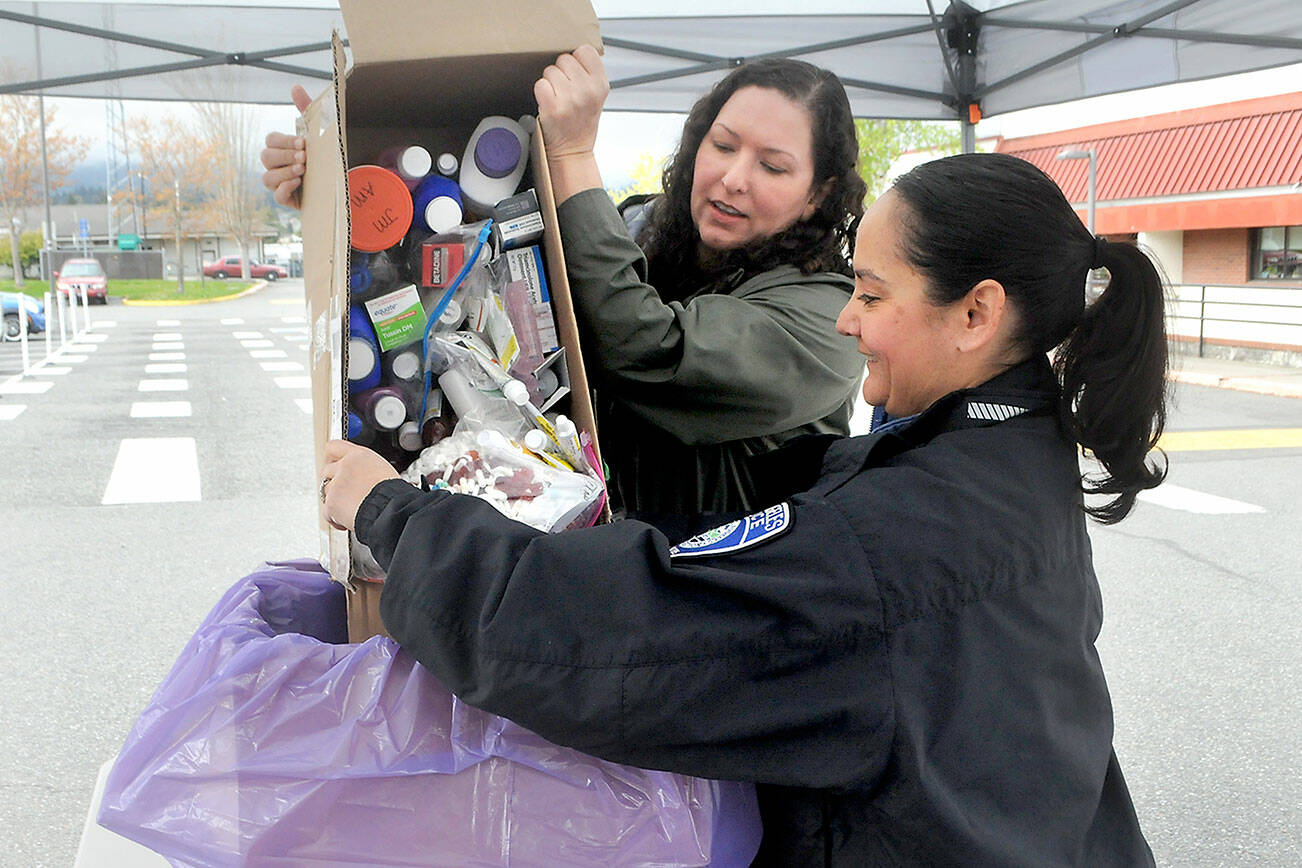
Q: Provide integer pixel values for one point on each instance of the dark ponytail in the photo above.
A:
(978, 216)
(1113, 373)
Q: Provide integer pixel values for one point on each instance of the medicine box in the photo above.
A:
(423, 73)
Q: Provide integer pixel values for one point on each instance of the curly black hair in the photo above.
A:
(824, 242)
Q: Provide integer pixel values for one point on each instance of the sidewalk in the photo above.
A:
(1277, 380)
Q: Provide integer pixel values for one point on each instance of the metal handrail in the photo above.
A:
(1262, 307)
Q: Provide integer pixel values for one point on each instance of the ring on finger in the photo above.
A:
(325, 480)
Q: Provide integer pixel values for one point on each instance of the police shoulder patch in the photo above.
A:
(737, 535)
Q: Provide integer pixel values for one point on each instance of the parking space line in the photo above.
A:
(160, 409)
(1248, 438)
(54, 370)
(294, 382)
(17, 386)
(256, 345)
(93, 338)
(1188, 500)
(163, 385)
(282, 366)
(240, 336)
(154, 470)
(166, 368)
(304, 404)
(167, 336)
(267, 354)
(12, 411)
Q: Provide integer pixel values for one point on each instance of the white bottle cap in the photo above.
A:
(452, 315)
(547, 382)
(442, 213)
(409, 437)
(489, 438)
(390, 412)
(528, 123)
(361, 358)
(564, 427)
(414, 162)
(516, 392)
(406, 365)
(448, 164)
(535, 440)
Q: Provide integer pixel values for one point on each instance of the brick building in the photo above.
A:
(1216, 194)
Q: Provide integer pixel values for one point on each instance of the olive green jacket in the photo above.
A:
(688, 393)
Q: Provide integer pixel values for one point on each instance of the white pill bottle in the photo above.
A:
(494, 162)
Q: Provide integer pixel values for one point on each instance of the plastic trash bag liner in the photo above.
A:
(273, 743)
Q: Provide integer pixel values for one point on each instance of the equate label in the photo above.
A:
(398, 317)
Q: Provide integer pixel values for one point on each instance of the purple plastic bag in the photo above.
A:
(273, 743)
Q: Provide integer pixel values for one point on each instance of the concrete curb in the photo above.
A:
(1240, 384)
(176, 302)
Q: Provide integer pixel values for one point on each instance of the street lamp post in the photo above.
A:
(15, 237)
(1092, 155)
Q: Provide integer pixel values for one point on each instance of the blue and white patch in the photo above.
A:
(737, 535)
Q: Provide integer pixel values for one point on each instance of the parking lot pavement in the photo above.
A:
(1280, 380)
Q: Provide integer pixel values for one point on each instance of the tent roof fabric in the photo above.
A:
(1247, 145)
(911, 64)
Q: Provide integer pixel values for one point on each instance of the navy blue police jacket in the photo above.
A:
(901, 656)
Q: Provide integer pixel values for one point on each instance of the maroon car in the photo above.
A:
(229, 266)
(79, 274)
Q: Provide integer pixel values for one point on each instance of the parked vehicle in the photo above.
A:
(230, 267)
(34, 309)
(79, 273)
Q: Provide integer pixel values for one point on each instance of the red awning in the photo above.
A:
(1232, 165)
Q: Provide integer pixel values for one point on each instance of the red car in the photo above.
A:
(77, 274)
(230, 267)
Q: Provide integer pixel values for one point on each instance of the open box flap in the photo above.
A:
(325, 232)
(399, 30)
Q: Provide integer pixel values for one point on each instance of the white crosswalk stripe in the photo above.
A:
(154, 470)
(1187, 500)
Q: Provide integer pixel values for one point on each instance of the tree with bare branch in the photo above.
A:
(239, 198)
(20, 158)
(178, 164)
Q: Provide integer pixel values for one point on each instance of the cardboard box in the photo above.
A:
(422, 73)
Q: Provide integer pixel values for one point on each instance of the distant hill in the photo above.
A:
(85, 184)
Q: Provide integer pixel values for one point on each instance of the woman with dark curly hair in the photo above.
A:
(706, 320)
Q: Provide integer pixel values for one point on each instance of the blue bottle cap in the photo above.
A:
(497, 152)
(359, 279)
(354, 425)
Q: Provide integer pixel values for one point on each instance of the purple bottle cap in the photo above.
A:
(497, 152)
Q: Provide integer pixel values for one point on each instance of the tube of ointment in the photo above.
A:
(567, 435)
(518, 394)
(482, 354)
(538, 445)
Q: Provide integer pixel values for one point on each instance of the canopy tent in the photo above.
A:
(899, 58)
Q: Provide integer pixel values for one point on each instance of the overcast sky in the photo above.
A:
(624, 136)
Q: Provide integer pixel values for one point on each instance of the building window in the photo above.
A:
(1277, 253)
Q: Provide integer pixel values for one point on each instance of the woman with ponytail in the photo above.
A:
(901, 657)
